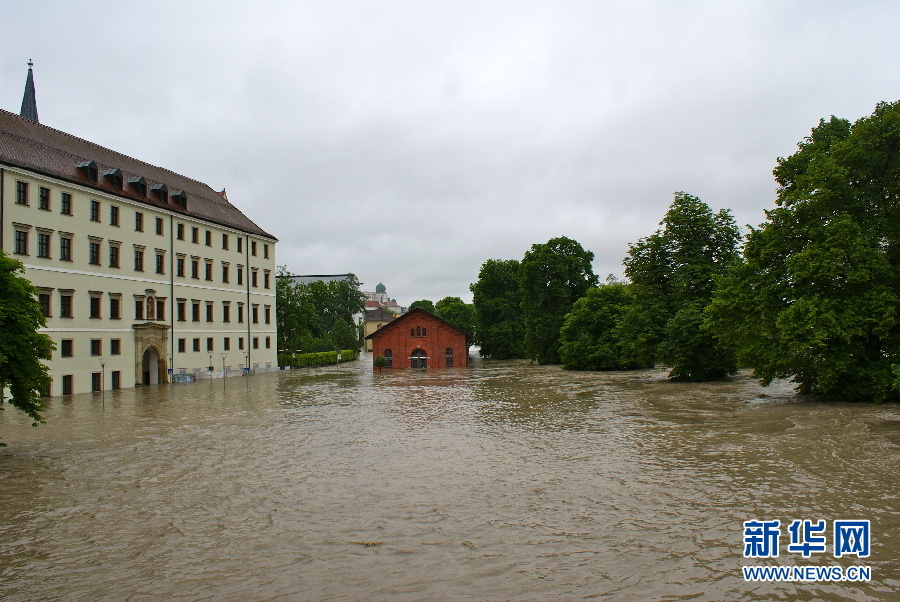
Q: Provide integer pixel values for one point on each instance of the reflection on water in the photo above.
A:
(498, 481)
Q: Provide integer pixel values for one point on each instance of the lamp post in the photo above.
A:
(224, 355)
(210, 362)
(103, 380)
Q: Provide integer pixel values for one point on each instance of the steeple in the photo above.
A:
(29, 103)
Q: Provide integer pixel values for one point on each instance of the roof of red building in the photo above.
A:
(408, 316)
(36, 147)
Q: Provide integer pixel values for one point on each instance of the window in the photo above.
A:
(226, 344)
(254, 280)
(159, 226)
(266, 279)
(44, 299)
(95, 211)
(138, 307)
(195, 235)
(138, 260)
(115, 346)
(160, 263)
(116, 379)
(68, 384)
(267, 310)
(448, 355)
(195, 311)
(182, 345)
(44, 198)
(96, 347)
(94, 305)
(225, 273)
(160, 309)
(240, 342)
(389, 358)
(21, 242)
(240, 245)
(195, 267)
(209, 344)
(255, 313)
(240, 274)
(115, 307)
(208, 238)
(65, 203)
(253, 248)
(266, 251)
(138, 221)
(207, 272)
(66, 348)
(113, 215)
(209, 311)
(179, 265)
(418, 331)
(43, 247)
(182, 314)
(224, 242)
(179, 231)
(21, 193)
(226, 311)
(94, 252)
(65, 248)
(196, 344)
(114, 255)
(65, 304)
(96, 383)
(241, 313)
(256, 342)
(268, 342)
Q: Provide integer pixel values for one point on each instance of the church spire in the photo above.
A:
(29, 103)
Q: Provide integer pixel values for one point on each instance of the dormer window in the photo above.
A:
(179, 198)
(139, 185)
(89, 169)
(161, 192)
(114, 177)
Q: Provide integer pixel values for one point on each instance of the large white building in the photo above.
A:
(143, 274)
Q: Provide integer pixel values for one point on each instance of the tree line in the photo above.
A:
(812, 294)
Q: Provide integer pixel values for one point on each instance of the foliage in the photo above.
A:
(380, 361)
(589, 339)
(317, 316)
(496, 300)
(424, 304)
(816, 297)
(552, 277)
(22, 347)
(672, 274)
(321, 358)
(457, 312)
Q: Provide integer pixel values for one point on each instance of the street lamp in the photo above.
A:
(210, 362)
(103, 380)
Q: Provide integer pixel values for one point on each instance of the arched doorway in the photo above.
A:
(150, 367)
(418, 359)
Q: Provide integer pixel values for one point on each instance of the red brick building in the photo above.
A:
(418, 339)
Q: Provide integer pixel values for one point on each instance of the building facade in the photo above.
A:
(419, 339)
(373, 319)
(143, 274)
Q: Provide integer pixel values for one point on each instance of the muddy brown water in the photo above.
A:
(501, 481)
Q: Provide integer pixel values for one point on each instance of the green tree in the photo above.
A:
(22, 347)
(589, 339)
(423, 304)
(457, 312)
(816, 296)
(317, 316)
(497, 303)
(552, 276)
(672, 274)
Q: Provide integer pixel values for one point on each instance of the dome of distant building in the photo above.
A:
(380, 288)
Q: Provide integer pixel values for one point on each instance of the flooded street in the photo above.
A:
(498, 481)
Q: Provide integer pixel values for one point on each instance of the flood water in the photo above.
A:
(499, 481)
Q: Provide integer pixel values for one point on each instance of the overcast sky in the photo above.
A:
(408, 142)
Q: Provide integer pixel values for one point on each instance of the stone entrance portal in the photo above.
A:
(150, 344)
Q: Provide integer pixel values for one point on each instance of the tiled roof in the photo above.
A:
(36, 147)
(378, 315)
(412, 314)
